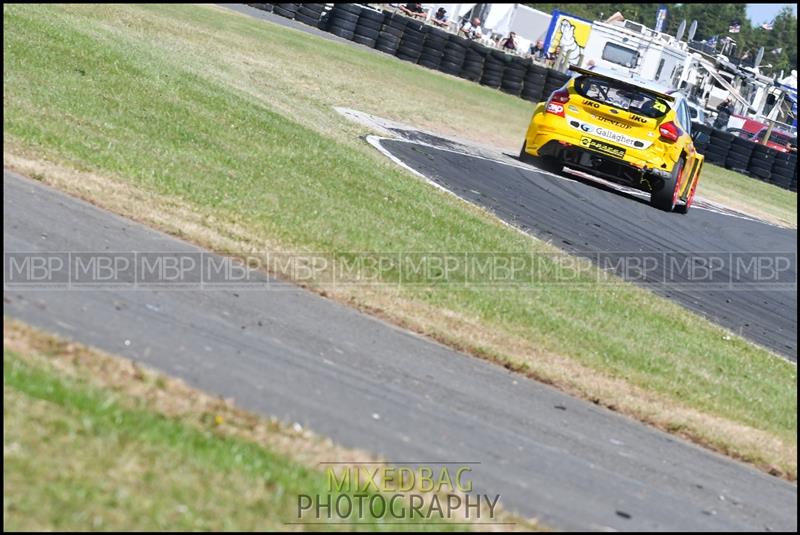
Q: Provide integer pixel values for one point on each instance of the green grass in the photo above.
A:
(754, 196)
(233, 117)
(78, 457)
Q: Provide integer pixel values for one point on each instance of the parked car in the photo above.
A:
(779, 140)
(698, 114)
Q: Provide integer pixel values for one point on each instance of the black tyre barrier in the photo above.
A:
(763, 174)
(371, 24)
(411, 43)
(363, 40)
(492, 72)
(344, 17)
(432, 64)
(348, 8)
(472, 68)
(737, 163)
(430, 58)
(262, 7)
(366, 32)
(311, 20)
(715, 156)
(285, 10)
(532, 93)
(386, 40)
(311, 10)
(341, 32)
(373, 15)
(391, 30)
(398, 22)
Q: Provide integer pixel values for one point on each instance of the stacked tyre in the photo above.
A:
(738, 157)
(717, 150)
(555, 80)
(761, 162)
(433, 48)
(513, 76)
(702, 146)
(262, 7)
(472, 68)
(411, 42)
(391, 32)
(368, 27)
(343, 19)
(455, 52)
(784, 170)
(285, 10)
(309, 14)
(534, 82)
(493, 67)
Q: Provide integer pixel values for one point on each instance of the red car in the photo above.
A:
(778, 139)
(755, 130)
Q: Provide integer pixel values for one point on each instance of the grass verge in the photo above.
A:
(220, 129)
(748, 195)
(95, 442)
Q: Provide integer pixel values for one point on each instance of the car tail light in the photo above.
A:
(555, 104)
(561, 96)
(670, 131)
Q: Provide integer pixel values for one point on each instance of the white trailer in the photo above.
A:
(631, 47)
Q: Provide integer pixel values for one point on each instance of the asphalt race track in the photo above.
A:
(605, 224)
(292, 354)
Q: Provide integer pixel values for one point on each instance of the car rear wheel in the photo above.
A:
(666, 198)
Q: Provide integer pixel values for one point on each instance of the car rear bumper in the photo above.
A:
(604, 165)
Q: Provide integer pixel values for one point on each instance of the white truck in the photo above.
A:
(629, 46)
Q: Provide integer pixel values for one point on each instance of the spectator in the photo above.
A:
(472, 29)
(440, 18)
(413, 10)
(724, 111)
(537, 50)
(509, 43)
(552, 57)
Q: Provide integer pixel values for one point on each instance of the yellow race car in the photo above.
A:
(622, 129)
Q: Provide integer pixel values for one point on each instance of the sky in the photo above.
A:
(760, 13)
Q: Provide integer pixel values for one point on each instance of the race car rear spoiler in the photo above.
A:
(622, 80)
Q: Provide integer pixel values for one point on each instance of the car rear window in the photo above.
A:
(621, 96)
(780, 138)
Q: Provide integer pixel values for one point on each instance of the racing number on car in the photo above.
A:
(660, 106)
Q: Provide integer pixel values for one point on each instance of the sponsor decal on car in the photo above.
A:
(617, 152)
(605, 133)
(552, 107)
(609, 120)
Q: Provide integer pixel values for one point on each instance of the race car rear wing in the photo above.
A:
(624, 81)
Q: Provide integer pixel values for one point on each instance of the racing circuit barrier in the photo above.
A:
(748, 157)
(416, 42)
